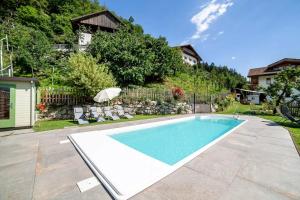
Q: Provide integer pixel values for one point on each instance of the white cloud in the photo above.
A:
(209, 13)
(221, 33)
(233, 57)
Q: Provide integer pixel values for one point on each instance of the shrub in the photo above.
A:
(41, 107)
(87, 76)
(268, 106)
(177, 93)
(223, 103)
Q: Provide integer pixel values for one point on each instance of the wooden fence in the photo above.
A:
(69, 96)
(294, 107)
(62, 96)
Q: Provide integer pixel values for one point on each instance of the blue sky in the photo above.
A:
(237, 33)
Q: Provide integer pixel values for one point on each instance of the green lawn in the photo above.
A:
(59, 124)
(256, 110)
(237, 108)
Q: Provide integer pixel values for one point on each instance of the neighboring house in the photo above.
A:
(87, 25)
(189, 54)
(262, 77)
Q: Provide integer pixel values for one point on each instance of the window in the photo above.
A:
(190, 59)
(185, 58)
(268, 81)
(254, 80)
(4, 103)
(194, 61)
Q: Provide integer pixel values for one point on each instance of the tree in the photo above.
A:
(88, 76)
(285, 82)
(135, 58)
(31, 48)
(35, 18)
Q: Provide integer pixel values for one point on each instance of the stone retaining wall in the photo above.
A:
(138, 107)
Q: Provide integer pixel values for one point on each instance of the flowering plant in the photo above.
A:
(41, 107)
(177, 93)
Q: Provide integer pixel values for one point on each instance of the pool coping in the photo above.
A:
(172, 168)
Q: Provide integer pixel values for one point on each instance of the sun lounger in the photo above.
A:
(109, 115)
(122, 113)
(80, 116)
(94, 114)
(284, 110)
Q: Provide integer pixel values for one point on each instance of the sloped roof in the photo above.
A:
(83, 17)
(192, 51)
(292, 61)
(268, 70)
(18, 79)
(257, 71)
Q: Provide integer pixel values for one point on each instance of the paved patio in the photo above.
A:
(256, 161)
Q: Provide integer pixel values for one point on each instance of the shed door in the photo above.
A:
(7, 106)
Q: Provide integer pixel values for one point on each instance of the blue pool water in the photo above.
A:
(173, 142)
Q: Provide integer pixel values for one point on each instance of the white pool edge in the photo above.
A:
(114, 191)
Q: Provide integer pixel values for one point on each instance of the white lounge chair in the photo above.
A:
(109, 115)
(80, 116)
(94, 114)
(122, 113)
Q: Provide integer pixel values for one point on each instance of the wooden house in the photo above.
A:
(87, 25)
(264, 76)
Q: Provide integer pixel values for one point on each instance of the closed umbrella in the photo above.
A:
(107, 94)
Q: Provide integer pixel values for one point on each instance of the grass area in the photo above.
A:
(237, 108)
(256, 110)
(59, 124)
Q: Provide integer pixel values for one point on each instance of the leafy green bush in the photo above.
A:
(224, 103)
(135, 58)
(88, 76)
(268, 106)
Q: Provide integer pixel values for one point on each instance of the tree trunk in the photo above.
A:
(279, 100)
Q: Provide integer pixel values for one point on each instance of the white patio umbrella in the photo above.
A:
(107, 94)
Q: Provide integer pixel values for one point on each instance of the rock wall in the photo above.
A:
(136, 107)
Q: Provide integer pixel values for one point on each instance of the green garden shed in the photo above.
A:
(17, 102)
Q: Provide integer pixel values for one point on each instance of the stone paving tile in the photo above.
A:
(277, 132)
(221, 163)
(237, 142)
(15, 132)
(279, 179)
(281, 150)
(17, 149)
(246, 190)
(276, 141)
(17, 180)
(155, 191)
(56, 182)
(187, 184)
(276, 159)
(98, 192)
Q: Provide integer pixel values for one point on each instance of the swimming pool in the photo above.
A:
(173, 142)
(129, 159)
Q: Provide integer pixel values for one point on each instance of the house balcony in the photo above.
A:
(253, 86)
(68, 47)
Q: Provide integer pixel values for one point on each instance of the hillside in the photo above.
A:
(133, 58)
